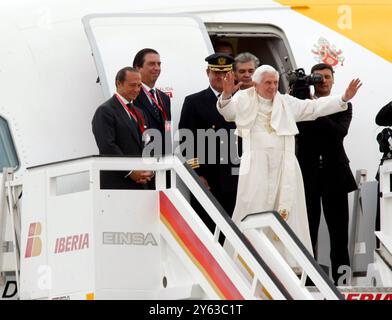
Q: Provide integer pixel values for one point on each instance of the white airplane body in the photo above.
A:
(48, 75)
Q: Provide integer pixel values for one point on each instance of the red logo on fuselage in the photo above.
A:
(327, 53)
(72, 243)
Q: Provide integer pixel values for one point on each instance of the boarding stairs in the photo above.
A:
(149, 244)
(10, 233)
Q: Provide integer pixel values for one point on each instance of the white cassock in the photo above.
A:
(270, 176)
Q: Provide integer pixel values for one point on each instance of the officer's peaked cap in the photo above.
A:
(220, 62)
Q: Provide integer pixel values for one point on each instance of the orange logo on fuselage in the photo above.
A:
(34, 242)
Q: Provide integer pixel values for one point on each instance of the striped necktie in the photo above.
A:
(157, 113)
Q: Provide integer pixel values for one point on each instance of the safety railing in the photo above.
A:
(256, 270)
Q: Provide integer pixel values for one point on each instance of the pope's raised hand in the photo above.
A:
(228, 85)
(352, 89)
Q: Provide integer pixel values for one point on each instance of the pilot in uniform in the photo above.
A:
(216, 168)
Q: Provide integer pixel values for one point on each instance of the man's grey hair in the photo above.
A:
(257, 77)
(246, 57)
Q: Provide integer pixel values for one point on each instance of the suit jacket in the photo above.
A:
(143, 103)
(324, 138)
(116, 134)
(384, 116)
(199, 112)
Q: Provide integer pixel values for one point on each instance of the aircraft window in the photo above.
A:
(8, 157)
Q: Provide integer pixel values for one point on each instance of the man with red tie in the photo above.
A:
(154, 103)
(118, 128)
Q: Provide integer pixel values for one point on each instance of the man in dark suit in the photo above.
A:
(326, 173)
(154, 102)
(383, 118)
(224, 47)
(118, 128)
(199, 113)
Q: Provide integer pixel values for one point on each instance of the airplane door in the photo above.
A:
(181, 40)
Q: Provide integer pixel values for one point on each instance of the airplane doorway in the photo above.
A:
(8, 155)
(267, 42)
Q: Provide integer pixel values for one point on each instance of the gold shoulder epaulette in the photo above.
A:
(194, 163)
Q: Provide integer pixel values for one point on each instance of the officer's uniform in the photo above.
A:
(199, 112)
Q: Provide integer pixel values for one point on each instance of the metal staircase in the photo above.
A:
(147, 244)
(10, 228)
(256, 269)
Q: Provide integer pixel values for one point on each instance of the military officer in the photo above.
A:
(217, 162)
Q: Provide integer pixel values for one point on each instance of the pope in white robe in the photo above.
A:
(270, 176)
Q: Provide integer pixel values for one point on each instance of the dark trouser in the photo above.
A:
(378, 212)
(225, 199)
(335, 208)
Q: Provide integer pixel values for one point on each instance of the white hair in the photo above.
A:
(257, 77)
